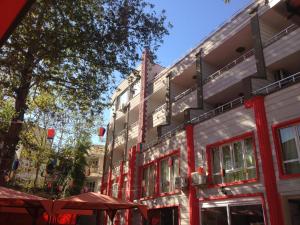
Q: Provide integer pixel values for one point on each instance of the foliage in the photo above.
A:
(70, 49)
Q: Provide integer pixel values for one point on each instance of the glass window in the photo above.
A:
(136, 88)
(214, 216)
(169, 168)
(233, 162)
(122, 99)
(115, 188)
(148, 182)
(238, 215)
(289, 137)
(246, 215)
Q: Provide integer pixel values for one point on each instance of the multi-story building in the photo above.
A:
(94, 167)
(215, 138)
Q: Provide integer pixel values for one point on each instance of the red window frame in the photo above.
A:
(227, 141)
(156, 162)
(278, 149)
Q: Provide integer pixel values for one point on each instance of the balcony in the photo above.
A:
(219, 110)
(95, 170)
(134, 102)
(282, 45)
(133, 130)
(185, 100)
(156, 85)
(159, 115)
(230, 75)
(120, 139)
(286, 82)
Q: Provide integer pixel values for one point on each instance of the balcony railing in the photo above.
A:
(281, 34)
(186, 92)
(162, 107)
(166, 135)
(285, 82)
(229, 66)
(219, 110)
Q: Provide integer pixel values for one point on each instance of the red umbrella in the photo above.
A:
(14, 203)
(95, 201)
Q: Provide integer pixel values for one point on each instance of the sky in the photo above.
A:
(192, 21)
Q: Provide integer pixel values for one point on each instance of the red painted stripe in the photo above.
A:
(193, 202)
(130, 180)
(272, 195)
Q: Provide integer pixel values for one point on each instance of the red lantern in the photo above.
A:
(50, 133)
(101, 131)
(45, 216)
(64, 218)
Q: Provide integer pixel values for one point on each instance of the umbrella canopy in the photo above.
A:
(17, 199)
(95, 201)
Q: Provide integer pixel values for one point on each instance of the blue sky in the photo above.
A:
(192, 21)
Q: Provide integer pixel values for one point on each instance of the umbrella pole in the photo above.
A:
(98, 215)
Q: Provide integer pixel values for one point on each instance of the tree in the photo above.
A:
(71, 48)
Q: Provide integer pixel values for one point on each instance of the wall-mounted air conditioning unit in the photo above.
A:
(198, 179)
(181, 182)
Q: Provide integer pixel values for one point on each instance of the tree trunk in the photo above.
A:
(36, 175)
(12, 137)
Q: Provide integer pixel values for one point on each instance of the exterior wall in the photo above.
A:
(223, 127)
(282, 48)
(230, 77)
(283, 106)
(177, 142)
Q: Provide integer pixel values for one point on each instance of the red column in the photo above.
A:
(272, 195)
(121, 180)
(131, 174)
(193, 201)
(109, 183)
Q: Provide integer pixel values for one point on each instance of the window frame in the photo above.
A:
(278, 148)
(173, 156)
(230, 142)
(157, 188)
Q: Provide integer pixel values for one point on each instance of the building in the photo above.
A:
(94, 168)
(213, 139)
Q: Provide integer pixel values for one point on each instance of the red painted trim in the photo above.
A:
(272, 195)
(278, 149)
(121, 180)
(227, 141)
(109, 183)
(193, 204)
(130, 181)
(167, 206)
(249, 195)
(157, 173)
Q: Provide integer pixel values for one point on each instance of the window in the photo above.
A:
(124, 189)
(290, 149)
(169, 169)
(148, 181)
(115, 189)
(135, 88)
(122, 99)
(233, 215)
(232, 162)
(91, 185)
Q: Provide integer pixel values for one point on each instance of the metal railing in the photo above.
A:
(229, 66)
(277, 85)
(162, 107)
(281, 34)
(186, 92)
(166, 135)
(219, 110)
